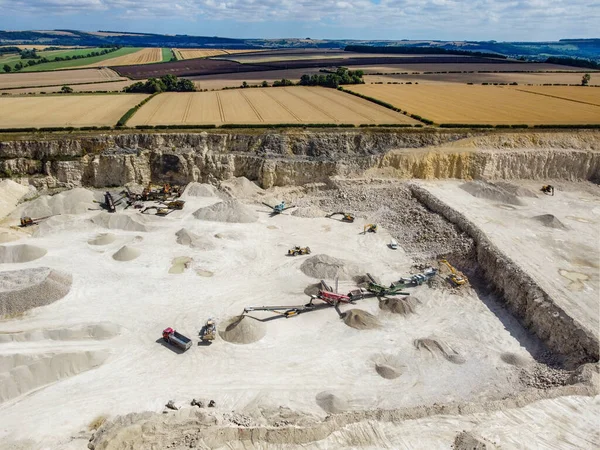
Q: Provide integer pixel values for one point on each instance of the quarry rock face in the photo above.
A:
(299, 157)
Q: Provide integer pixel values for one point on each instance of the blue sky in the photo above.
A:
(531, 20)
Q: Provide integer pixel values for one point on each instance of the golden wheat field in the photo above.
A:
(143, 56)
(268, 105)
(65, 110)
(481, 104)
(58, 77)
(190, 53)
(587, 94)
(110, 86)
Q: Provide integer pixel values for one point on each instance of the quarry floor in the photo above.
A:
(303, 358)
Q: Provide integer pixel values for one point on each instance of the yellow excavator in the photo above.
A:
(370, 228)
(454, 277)
(346, 217)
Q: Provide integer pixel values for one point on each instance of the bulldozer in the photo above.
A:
(159, 211)
(299, 251)
(27, 221)
(346, 217)
(208, 331)
(454, 277)
(548, 189)
(370, 228)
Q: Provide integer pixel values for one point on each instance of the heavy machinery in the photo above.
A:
(455, 278)
(27, 221)
(333, 298)
(278, 209)
(370, 228)
(208, 331)
(548, 189)
(380, 290)
(299, 251)
(418, 279)
(177, 339)
(346, 217)
(393, 244)
(286, 311)
(174, 204)
(159, 210)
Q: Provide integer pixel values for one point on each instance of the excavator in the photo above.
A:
(299, 251)
(548, 189)
(174, 204)
(370, 228)
(346, 217)
(27, 221)
(159, 210)
(454, 277)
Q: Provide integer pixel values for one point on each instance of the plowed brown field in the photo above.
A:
(190, 53)
(65, 111)
(143, 56)
(481, 104)
(26, 79)
(268, 105)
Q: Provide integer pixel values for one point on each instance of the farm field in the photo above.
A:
(478, 78)
(190, 53)
(40, 47)
(267, 105)
(79, 63)
(252, 78)
(13, 58)
(582, 94)
(312, 55)
(65, 111)
(481, 104)
(139, 56)
(17, 80)
(109, 86)
(436, 66)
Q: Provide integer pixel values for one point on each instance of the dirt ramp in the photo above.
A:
(22, 290)
(361, 320)
(23, 373)
(328, 267)
(20, 253)
(550, 221)
(490, 191)
(388, 366)
(331, 403)
(230, 211)
(186, 237)
(126, 253)
(242, 330)
(439, 348)
(116, 221)
(400, 305)
(103, 239)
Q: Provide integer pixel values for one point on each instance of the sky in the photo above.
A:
(501, 20)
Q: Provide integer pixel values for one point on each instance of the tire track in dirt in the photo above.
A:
(282, 105)
(311, 104)
(252, 106)
(188, 107)
(354, 110)
(221, 112)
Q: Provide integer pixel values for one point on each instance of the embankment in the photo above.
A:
(296, 157)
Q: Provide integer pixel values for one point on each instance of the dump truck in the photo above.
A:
(177, 339)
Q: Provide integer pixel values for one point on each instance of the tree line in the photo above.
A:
(332, 80)
(166, 83)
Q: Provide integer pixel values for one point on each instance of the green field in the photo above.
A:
(13, 59)
(166, 54)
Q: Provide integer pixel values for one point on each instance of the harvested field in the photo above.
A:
(65, 111)
(270, 105)
(252, 78)
(481, 77)
(191, 53)
(582, 94)
(143, 56)
(111, 86)
(481, 104)
(16, 80)
(440, 66)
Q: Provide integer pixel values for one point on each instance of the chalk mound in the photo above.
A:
(439, 348)
(515, 360)
(490, 191)
(550, 221)
(331, 403)
(179, 264)
(74, 201)
(99, 331)
(126, 253)
(22, 290)
(10, 194)
(399, 305)
(20, 253)
(186, 237)
(200, 190)
(310, 212)
(519, 191)
(59, 223)
(388, 366)
(204, 273)
(328, 267)
(467, 440)
(312, 289)
(361, 320)
(231, 236)
(21, 373)
(116, 221)
(103, 239)
(230, 211)
(240, 187)
(242, 330)
(7, 236)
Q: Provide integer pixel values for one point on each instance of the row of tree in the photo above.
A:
(33, 58)
(166, 83)
(333, 80)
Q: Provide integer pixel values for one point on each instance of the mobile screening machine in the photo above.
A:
(177, 339)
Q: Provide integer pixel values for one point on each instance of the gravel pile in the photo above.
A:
(126, 253)
(330, 268)
(200, 190)
(242, 330)
(310, 212)
(331, 403)
(116, 221)
(361, 320)
(20, 253)
(230, 211)
(490, 191)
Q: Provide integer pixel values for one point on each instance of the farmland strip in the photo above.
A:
(557, 96)
(186, 113)
(311, 104)
(252, 106)
(334, 100)
(221, 112)
(283, 106)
